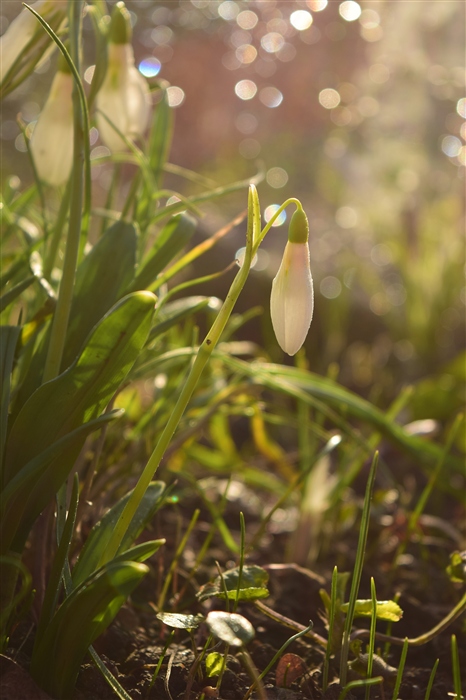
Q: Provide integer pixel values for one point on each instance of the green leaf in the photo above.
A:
(253, 584)
(160, 136)
(12, 294)
(36, 484)
(93, 551)
(176, 311)
(386, 609)
(214, 664)
(456, 570)
(99, 285)
(170, 241)
(101, 280)
(81, 393)
(60, 561)
(308, 386)
(81, 618)
(8, 339)
(180, 621)
(231, 628)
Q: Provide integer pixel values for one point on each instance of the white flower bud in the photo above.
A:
(123, 97)
(24, 32)
(292, 298)
(52, 138)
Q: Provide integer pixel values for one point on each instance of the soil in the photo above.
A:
(132, 646)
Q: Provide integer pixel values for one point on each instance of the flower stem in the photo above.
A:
(202, 358)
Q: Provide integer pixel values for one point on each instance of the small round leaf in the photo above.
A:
(230, 628)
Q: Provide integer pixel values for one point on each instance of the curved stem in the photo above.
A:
(270, 223)
(202, 358)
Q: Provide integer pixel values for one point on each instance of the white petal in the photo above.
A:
(137, 102)
(19, 34)
(52, 138)
(292, 298)
(123, 97)
(15, 39)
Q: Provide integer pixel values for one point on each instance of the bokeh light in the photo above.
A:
(247, 19)
(93, 135)
(150, 67)
(276, 177)
(161, 34)
(245, 89)
(271, 97)
(329, 98)
(317, 5)
(20, 144)
(100, 152)
(346, 217)
(350, 10)
(239, 257)
(451, 146)
(246, 123)
(89, 74)
(270, 211)
(301, 19)
(175, 96)
(228, 10)
(272, 42)
(249, 148)
(247, 53)
(369, 19)
(461, 107)
(330, 287)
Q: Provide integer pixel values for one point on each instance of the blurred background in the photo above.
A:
(357, 109)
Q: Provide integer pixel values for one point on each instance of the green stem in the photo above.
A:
(63, 308)
(57, 233)
(202, 358)
(270, 223)
(357, 573)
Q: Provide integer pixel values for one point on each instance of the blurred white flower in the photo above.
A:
(52, 138)
(25, 31)
(292, 298)
(124, 95)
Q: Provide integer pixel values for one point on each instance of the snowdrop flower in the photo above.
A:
(25, 38)
(124, 95)
(292, 298)
(52, 138)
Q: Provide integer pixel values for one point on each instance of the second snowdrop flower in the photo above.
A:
(52, 138)
(124, 95)
(292, 298)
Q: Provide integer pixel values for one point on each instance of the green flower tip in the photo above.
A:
(299, 227)
(120, 25)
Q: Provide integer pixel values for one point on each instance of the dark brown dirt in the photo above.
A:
(134, 643)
